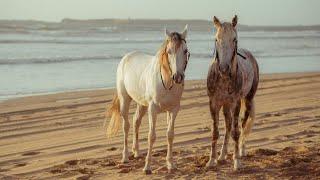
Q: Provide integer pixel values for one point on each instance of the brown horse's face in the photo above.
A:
(226, 40)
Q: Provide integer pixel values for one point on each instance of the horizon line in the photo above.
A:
(157, 19)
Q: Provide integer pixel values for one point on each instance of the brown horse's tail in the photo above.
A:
(115, 119)
(248, 125)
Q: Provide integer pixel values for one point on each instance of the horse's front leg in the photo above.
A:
(171, 116)
(151, 137)
(214, 111)
(224, 149)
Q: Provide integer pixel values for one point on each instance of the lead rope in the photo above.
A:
(215, 53)
(238, 52)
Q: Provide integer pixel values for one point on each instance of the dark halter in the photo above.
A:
(216, 56)
(188, 56)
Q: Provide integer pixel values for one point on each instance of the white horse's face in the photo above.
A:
(226, 40)
(178, 54)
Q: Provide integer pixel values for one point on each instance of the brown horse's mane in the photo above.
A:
(175, 39)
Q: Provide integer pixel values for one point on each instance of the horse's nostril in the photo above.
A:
(225, 69)
(182, 77)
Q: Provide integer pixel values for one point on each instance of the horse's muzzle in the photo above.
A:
(225, 69)
(178, 78)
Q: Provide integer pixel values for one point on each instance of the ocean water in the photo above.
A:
(43, 61)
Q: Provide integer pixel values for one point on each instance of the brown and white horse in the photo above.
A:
(233, 78)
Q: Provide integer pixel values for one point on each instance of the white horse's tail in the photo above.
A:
(115, 119)
(248, 126)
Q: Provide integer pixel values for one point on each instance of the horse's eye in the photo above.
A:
(185, 51)
(235, 40)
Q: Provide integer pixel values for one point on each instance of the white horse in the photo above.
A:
(156, 84)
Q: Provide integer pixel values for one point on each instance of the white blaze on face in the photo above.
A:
(177, 54)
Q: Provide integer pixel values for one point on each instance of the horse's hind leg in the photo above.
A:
(125, 100)
(247, 125)
(140, 112)
(235, 132)
(227, 122)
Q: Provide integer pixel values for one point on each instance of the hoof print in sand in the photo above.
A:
(112, 149)
(72, 162)
(57, 171)
(86, 177)
(109, 163)
(120, 166)
(20, 164)
(265, 152)
(125, 170)
(32, 153)
(85, 171)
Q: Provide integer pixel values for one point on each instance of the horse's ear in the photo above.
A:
(235, 21)
(185, 32)
(167, 32)
(216, 22)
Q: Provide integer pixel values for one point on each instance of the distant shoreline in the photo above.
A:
(139, 24)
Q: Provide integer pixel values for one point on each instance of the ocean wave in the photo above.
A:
(90, 41)
(78, 41)
(38, 60)
(197, 56)
(62, 40)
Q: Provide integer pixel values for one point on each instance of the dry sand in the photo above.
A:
(61, 135)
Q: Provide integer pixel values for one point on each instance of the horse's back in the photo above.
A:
(249, 57)
(133, 63)
(250, 71)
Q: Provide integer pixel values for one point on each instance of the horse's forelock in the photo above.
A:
(227, 27)
(176, 39)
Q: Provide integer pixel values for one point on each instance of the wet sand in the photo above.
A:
(61, 135)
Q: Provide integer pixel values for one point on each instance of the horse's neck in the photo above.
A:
(154, 66)
(152, 70)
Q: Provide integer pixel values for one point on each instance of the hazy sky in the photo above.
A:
(251, 12)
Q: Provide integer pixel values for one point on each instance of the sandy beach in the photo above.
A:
(62, 135)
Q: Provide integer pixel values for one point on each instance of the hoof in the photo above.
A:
(222, 158)
(125, 160)
(136, 155)
(236, 165)
(170, 171)
(242, 152)
(211, 163)
(147, 171)
(171, 168)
